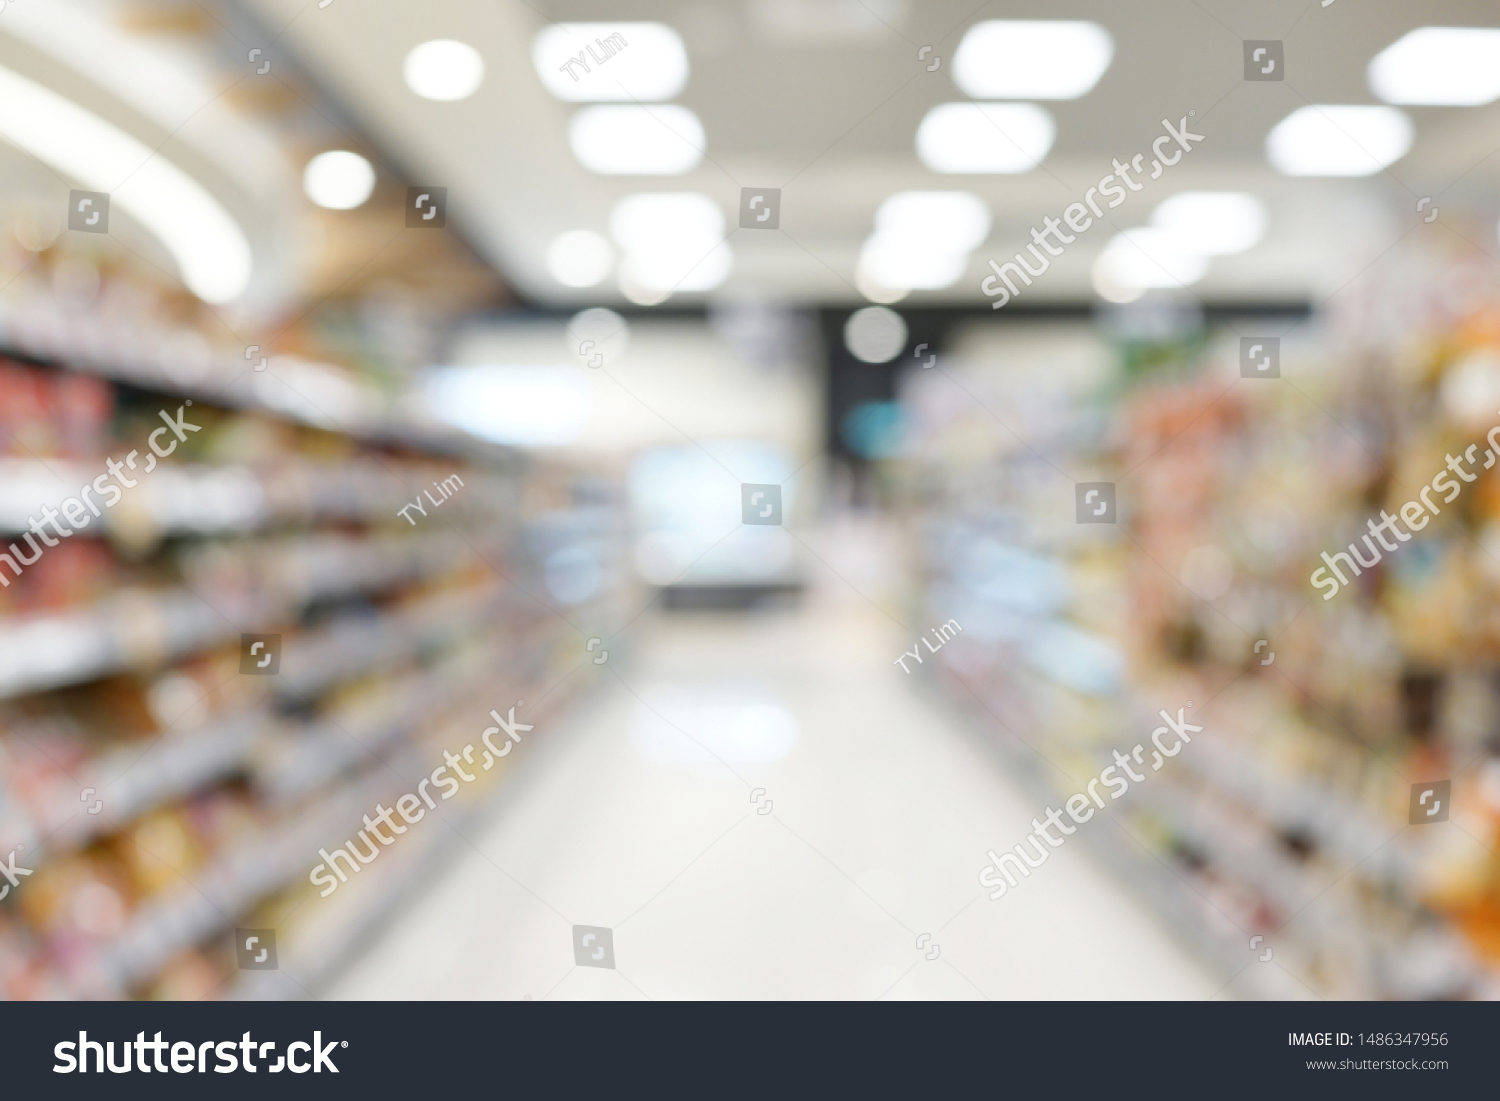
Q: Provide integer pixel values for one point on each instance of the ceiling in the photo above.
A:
(822, 99)
(170, 79)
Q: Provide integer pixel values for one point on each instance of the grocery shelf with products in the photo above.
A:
(1289, 823)
(158, 790)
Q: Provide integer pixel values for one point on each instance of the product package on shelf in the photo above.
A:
(1297, 815)
(228, 631)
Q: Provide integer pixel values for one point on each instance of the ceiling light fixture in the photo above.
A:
(1446, 66)
(641, 295)
(922, 239)
(1338, 140)
(984, 138)
(649, 220)
(670, 272)
(209, 246)
(1142, 258)
(148, 73)
(605, 62)
(338, 179)
(662, 140)
(444, 70)
(1213, 223)
(891, 262)
(1032, 59)
(944, 221)
(673, 241)
(877, 292)
(579, 258)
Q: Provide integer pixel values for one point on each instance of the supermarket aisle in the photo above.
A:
(881, 809)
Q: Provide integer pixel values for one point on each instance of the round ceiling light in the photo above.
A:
(579, 258)
(444, 70)
(338, 179)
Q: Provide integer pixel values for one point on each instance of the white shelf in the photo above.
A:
(177, 498)
(138, 629)
(322, 395)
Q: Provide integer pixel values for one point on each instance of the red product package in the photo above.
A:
(83, 408)
(26, 427)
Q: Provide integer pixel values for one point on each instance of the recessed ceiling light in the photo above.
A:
(593, 62)
(877, 292)
(1213, 223)
(673, 241)
(1119, 294)
(338, 179)
(875, 334)
(1458, 66)
(677, 218)
(662, 140)
(444, 70)
(209, 246)
(902, 262)
(984, 137)
(922, 239)
(1147, 257)
(579, 258)
(669, 271)
(1338, 140)
(1031, 59)
(944, 221)
(639, 294)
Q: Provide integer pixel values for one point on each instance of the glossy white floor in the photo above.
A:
(636, 814)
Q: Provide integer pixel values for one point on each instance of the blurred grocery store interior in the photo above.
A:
(546, 499)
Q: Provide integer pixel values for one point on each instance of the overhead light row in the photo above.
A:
(1174, 250)
(670, 242)
(674, 241)
(628, 70)
(1316, 140)
(1027, 59)
(210, 248)
(922, 241)
(442, 70)
(1011, 59)
(611, 62)
(1439, 66)
(1032, 58)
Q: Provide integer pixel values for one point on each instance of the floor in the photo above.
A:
(764, 806)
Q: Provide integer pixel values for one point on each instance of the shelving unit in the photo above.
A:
(160, 796)
(1287, 817)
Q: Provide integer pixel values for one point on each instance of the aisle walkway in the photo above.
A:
(881, 807)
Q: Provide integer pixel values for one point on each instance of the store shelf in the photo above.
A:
(361, 645)
(319, 751)
(128, 350)
(1288, 815)
(250, 587)
(132, 781)
(131, 630)
(182, 499)
(387, 626)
